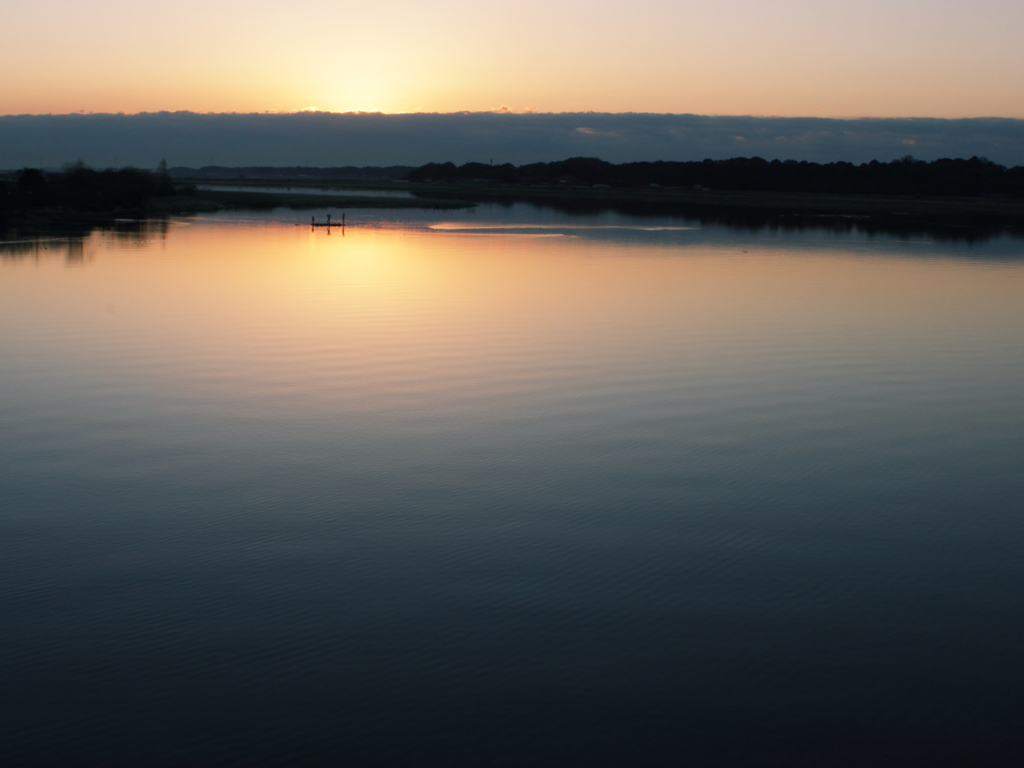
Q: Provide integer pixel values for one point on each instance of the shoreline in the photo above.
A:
(631, 200)
(960, 217)
(667, 199)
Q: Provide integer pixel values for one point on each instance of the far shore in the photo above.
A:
(952, 216)
(637, 200)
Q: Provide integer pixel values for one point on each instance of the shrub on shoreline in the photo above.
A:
(79, 187)
(975, 177)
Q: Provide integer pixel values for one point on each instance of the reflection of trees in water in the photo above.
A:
(75, 251)
(887, 226)
(72, 244)
(71, 248)
(962, 229)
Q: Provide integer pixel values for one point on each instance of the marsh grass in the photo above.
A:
(302, 200)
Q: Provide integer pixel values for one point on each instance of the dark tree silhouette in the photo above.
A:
(906, 176)
(30, 189)
(79, 187)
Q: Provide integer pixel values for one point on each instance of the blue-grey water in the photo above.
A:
(509, 487)
(320, 191)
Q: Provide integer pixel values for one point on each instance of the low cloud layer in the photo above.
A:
(326, 139)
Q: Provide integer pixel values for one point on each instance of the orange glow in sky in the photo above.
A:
(793, 57)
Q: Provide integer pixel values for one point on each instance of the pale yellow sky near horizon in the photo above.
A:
(903, 58)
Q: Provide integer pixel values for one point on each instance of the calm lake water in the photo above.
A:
(509, 487)
(340, 192)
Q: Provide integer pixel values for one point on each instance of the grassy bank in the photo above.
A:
(246, 200)
(40, 202)
(683, 200)
(638, 200)
(959, 217)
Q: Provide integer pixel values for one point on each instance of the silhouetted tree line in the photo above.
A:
(79, 187)
(907, 176)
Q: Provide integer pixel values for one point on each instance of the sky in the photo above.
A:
(825, 58)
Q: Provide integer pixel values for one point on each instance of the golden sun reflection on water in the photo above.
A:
(272, 305)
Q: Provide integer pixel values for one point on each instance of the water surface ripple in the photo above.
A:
(445, 492)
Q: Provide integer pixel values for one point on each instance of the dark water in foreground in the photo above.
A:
(512, 489)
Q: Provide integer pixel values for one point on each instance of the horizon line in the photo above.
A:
(497, 112)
